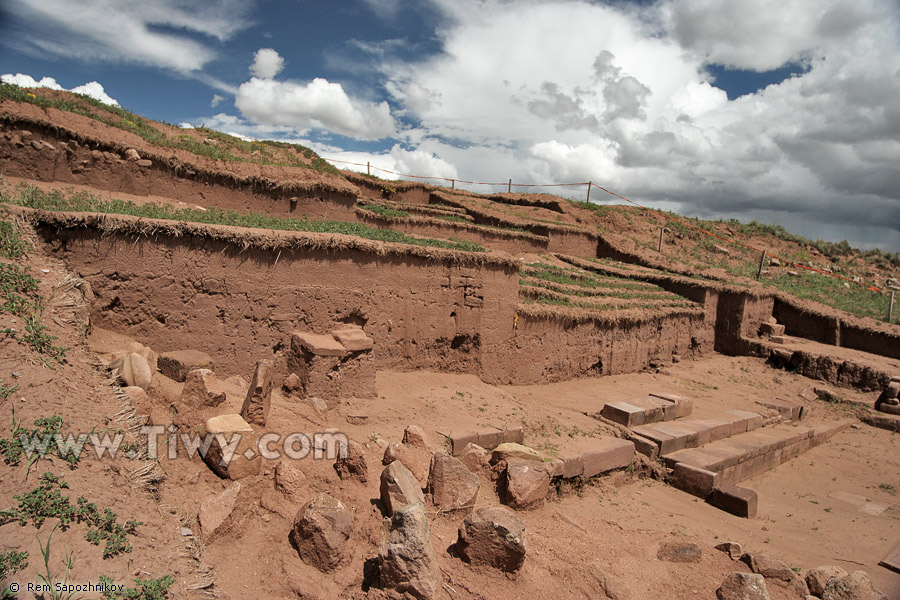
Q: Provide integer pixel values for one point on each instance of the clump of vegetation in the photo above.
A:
(41, 439)
(385, 211)
(12, 562)
(19, 297)
(145, 589)
(12, 246)
(33, 197)
(47, 501)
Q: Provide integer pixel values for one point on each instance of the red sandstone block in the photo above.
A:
(607, 455)
(771, 329)
(786, 408)
(738, 501)
(694, 480)
(683, 406)
(459, 440)
(514, 435)
(751, 420)
(573, 466)
(489, 439)
(623, 413)
(645, 446)
(718, 428)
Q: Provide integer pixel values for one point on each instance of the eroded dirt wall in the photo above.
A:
(576, 244)
(240, 306)
(547, 349)
(739, 315)
(62, 161)
(806, 324)
(876, 342)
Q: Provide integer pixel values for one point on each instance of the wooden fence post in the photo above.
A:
(509, 187)
(368, 168)
(890, 318)
(762, 261)
(588, 200)
(661, 230)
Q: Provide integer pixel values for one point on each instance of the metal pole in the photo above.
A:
(368, 168)
(891, 309)
(509, 187)
(762, 261)
(661, 230)
(589, 192)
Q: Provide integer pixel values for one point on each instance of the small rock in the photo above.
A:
(399, 488)
(743, 586)
(509, 450)
(406, 561)
(732, 549)
(238, 458)
(186, 532)
(291, 383)
(201, 388)
(771, 568)
(774, 262)
(415, 436)
(451, 484)
(133, 370)
(291, 480)
(526, 484)
(679, 552)
(217, 508)
(855, 586)
(818, 578)
(258, 401)
(357, 418)
(722, 249)
(474, 457)
(353, 338)
(493, 536)
(132, 155)
(144, 163)
(320, 532)
(353, 465)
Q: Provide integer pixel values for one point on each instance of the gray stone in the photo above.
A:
(406, 560)
(527, 484)
(817, 578)
(743, 586)
(493, 536)
(451, 484)
(216, 509)
(353, 465)
(855, 586)
(679, 552)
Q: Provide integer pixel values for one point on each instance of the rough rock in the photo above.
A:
(353, 338)
(291, 480)
(611, 587)
(474, 457)
(134, 370)
(417, 460)
(176, 365)
(320, 532)
(771, 568)
(743, 586)
(451, 484)
(259, 397)
(201, 388)
(132, 154)
(353, 465)
(319, 345)
(817, 578)
(493, 536)
(732, 549)
(217, 508)
(508, 450)
(144, 162)
(227, 455)
(855, 586)
(291, 382)
(399, 488)
(406, 560)
(415, 436)
(679, 552)
(526, 484)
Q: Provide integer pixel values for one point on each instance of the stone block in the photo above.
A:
(694, 480)
(177, 364)
(735, 500)
(607, 455)
(318, 345)
(233, 451)
(353, 338)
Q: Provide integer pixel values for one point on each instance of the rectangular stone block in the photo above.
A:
(718, 428)
(645, 446)
(738, 501)
(573, 466)
(752, 420)
(460, 439)
(607, 455)
(683, 406)
(694, 480)
(489, 439)
(623, 413)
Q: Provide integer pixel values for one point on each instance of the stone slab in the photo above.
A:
(319, 345)
(738, 501)
(892, 560)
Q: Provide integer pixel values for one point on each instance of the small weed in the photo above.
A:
(889, 488)
(39, 438)
(11, 244)
(385, 211)
(145, 589)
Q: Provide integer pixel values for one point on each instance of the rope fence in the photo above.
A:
(764, 253)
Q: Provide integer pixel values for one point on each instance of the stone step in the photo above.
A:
(486, 438)
(653, 408)
(660, 439)
(701, 471)
(593, 456)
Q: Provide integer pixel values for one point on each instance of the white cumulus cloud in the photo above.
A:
(267, 63)
(91, 88)
(319, 104)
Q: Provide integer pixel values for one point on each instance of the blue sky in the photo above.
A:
(785, 111)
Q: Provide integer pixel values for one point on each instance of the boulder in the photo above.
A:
(399, 488)
(233, 451)
(743, 586)
(176, 365)
(406, 561)
(353, 465)
(679, 552)
(415, 436)
(202, 389)
(216, 509)
(508, 450)
(414, 458)
(818, 578)
(132, 155)
(451, 484)
(855, 586)
(493, 536)
(291, 480)
(474, 457)
(259, 397)
(133, 369)
(320, 532)
(771, 568)
(291, 382)
(526, 484)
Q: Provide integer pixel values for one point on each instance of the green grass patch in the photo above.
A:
(385, 211)
(19, 297)
(42, 436)
(33, 197)
(12, 246)
(47, 501)
(145, 589)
